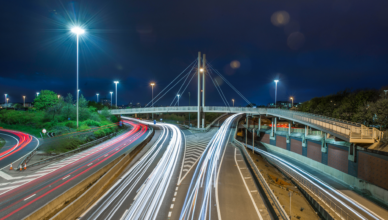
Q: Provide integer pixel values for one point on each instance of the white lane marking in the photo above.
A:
(249, 193)
(172, 206)
(175, 193)
(169, 214)
(90, 164)
(66, 177)
(176, 189)
(122, 217)
(173, 199)
(29, 197)
(6, 176)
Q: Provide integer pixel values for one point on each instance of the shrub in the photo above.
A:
(90, 122)
(71, 124)
(114, 119)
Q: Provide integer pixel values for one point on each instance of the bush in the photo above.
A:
(90, 122)
(71, 124)
(83, 127)
(114, 119)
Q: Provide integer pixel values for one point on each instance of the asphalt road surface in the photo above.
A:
(42, 185)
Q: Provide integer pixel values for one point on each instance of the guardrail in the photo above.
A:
(80, 148)
(307, 184)
(265, 185)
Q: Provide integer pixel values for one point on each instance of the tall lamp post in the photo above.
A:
(78, 31)
(111, 98)
(233, 102)
(152, 88)
(97, 97)
(5, 98)
(189, 112)
(276, 90)
(116, 82)
(24, 101)
(178, 98)
(292, 100)
(37, 94)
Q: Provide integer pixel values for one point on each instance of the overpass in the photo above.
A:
(348, 131)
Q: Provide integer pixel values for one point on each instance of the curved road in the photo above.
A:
(40, 186)
(17, 145)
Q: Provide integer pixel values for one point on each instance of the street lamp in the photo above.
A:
(59, 96)
(5, 98)
(97, 97)
(233, 102)
(37, 94)
(111, 98)
(78, 31)
(201, 70)
(24, 101)
(116, 82)
(292, 99)
(276, 90)
(178, 98)
(152, 88)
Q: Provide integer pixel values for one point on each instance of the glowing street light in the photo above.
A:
(276, 90)
(37, 94)
(178, 98)
(292, 99)
(59, 96)
(5, 98)
(24, 101)
(78, 31)
(201, 70)
(152, 86)
(116, 82)
(233, 102)
(97, 96)
(111, 97)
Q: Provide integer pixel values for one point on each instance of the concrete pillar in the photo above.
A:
(259, 125)
(246, 130)
(203, 88)
(199, 91)
(306, 129)
(275, 124)
(352, 152)
(272, 133)
(253, 140)
(289, 128)
(323, 144)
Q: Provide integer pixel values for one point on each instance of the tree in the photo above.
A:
(55, 110)
(380, 109)
(45, 99)
(105, 112)
(68, 109)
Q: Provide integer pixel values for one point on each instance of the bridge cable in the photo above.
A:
(179, 91)
(161, 92)
(186, 87)
(218, 88)
(239, 93)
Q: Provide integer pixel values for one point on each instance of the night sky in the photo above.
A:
(314, 47)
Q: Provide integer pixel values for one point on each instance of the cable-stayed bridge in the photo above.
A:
(345, 130)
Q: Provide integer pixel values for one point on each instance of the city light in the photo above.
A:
(152, 85)
(178, 98)
(276, 89)
(233, 102)
(116, 82)
(77, 30)
(111, 97)
(97, 96)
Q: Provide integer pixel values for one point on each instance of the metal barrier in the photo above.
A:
(207, 127)
(80, 148)
(266, 187)
(313, 189)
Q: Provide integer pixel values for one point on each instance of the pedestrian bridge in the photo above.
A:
(345, 130)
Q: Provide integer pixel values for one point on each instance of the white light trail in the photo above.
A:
(205, 176)
(151, 193)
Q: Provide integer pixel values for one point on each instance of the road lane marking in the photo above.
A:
(29, 197)
(169, 214)
(175, 193)
(122, 217)
(249, 193)
(66, 177)
(172, 206)
(90, 164)
(176, 189)
(173, 199)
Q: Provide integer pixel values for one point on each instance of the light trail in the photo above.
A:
(150, 194)
(205, 176)
(309, 176)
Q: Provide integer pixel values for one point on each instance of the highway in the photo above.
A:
(217, 190)
(18, 145)
(145, 190)
(353, 208)
(25, 192)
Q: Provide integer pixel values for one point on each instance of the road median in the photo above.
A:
(75, 201)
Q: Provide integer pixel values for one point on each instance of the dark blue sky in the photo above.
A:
(315, 48)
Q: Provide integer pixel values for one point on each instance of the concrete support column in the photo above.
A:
(306, 129)
(272, 133)
(253, 140)
(352, 152)
(199, 91)
(246, 130)
(275, 124)
(323, 144)
(289, 128)
(203, 89)
(259, 124)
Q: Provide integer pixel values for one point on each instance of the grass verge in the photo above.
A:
(2, 142)
(22, 128)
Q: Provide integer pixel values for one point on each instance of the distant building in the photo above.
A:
(281, 104)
